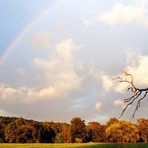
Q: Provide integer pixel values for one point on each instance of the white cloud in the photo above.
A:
(98, 106)
(68, 80)
(58, 75)
(134, 12)
(25, 95)
(44, 64)
(60, 71)
(118, 102)
(103, 78)
(42, 94)
(6, 92)
(121, 88)
(64, 79)
(87, 21)
(65, 48)
(137, 65)
(107, 82)
(139, 70)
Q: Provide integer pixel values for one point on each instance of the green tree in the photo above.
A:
(59, 138)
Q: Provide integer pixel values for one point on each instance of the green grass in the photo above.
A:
(85, 145)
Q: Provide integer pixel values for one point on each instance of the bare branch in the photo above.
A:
(130, 103)
(136, 92)
(138, 104)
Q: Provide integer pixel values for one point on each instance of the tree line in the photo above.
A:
(19, 130)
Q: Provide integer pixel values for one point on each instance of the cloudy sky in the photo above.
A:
(58, 57)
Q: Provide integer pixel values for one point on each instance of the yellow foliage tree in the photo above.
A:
(143, 129)
(122, 132)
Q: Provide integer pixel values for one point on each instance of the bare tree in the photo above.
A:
(137, 94)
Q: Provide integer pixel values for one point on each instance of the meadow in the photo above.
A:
(84, 145)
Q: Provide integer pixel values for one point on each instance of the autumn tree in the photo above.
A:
(9, 133)
(6, 120)
(122, 131)
(19, 130)
(112, 121)
(24, 134)
(143, 129)
(65, 132)
(23, 131)
(97, 132)
(77, 129)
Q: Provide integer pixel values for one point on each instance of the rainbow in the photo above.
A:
(24, 32)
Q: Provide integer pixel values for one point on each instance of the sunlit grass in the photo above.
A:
(84, 145)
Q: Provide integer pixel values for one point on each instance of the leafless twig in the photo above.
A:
(138, 94)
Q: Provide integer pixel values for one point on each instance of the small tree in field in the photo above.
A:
(59, 138)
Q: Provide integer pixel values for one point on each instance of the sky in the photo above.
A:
(58, 58)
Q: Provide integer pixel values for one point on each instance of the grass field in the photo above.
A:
(85, 145)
